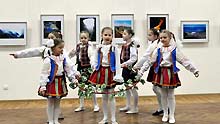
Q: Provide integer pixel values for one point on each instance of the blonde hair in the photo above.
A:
(167, 32)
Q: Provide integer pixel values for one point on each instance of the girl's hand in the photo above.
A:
(124, 66)
(13, 55)
(43, 92)
(78, 76)
(136, 69)
(196, 74)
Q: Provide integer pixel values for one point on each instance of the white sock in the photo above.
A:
(94, 100)
(56, 110)
(113, 107)
(135, 95)
(50, 110)
(128, 98)
(171, 102)
(157, 91)
(105, 105)
(164, 95)
(81, 102)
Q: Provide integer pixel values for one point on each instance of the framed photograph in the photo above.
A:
(158, 21)
(195, 31)
(13, 33)
(119, 23)
(89, 23)
(51, 23)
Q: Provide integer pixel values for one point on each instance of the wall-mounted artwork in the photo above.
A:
(158, 21)
(195, 31)
(120, 22)
(13, 33)
(89, 23)
(51, 23)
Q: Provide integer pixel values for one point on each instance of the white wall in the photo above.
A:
(22, 75)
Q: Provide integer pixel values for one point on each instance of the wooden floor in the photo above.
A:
(190, 109)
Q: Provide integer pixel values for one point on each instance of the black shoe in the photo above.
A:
(157, 113)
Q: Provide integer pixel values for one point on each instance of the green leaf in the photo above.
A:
(84, 78)
(129, 81)
(103, 86)
(90, 70)
(137, 78)
(72, 85)
(142, 81)
(112, 96)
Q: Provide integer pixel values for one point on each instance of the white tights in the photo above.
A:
(53, 110)
(129, 93)
(81, 100)
(105, 99)
(168, 101)
(157, 91)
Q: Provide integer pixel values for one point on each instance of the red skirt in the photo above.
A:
(103, 76)
(166, 78)
(57, 88)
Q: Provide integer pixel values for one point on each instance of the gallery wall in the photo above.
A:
(19, 78)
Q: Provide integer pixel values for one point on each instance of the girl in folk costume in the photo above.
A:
(107, 71)
(128, 59)
(42, 51)
(165, 73)
(84, 54)
(52, 79)
(153, 40)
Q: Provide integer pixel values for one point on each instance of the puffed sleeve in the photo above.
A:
(31, 52)
(90, 53)
(45, 72)
(133, 57)
(70, 70)
(118, 76)
(183, 60)
(149, 63)
(94, 58)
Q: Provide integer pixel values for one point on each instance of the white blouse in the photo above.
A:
(105, 50)
(45, 72)
(167, 59)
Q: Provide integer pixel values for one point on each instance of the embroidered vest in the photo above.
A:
(111, 58)
(125, 53)
(159, 59)
(83, 53)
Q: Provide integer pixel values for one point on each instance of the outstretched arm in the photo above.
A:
(183, 60)
(27, 53)
(149, 63)
(146, 56)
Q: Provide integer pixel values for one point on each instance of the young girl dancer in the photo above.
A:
(107, 71)
(128, 59)
(52, 79)
(165, 73)
(84, 57)
(153, 40)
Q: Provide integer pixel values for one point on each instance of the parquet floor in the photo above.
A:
(190, 109)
